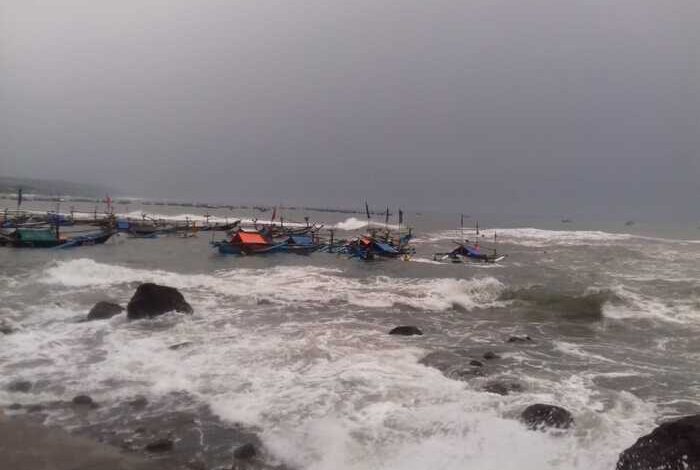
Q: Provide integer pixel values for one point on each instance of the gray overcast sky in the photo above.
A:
(539, 105)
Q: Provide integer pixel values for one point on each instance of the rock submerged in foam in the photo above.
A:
(674, 445)
(406, 331)
(104, 311)
(151, 300)
(541, 416)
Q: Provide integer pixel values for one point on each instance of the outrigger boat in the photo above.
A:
(374, 245)
(244, 242)
(466, 252)
(50, 238)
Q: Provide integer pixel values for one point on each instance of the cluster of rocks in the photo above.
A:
(150, 300)
(674, 445)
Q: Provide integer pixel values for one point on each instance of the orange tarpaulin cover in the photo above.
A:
(250, 237)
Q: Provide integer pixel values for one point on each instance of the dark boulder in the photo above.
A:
(6, 328)
(519, 339)
(476, 363)
(490, 355)
(503, 387)
(84, 400)
(138, 402)
(541, 416)
(15, 406)
(406, 331)
(151, 300)
(177, 346)
(104, 311)
(160, 445)
(19, 386)
(244, 452)
(671, 446)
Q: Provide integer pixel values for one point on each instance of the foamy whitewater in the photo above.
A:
(295, 349)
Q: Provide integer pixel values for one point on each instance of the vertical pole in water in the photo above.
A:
(58, 220)
(330, 247)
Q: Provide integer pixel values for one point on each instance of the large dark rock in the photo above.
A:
(84, 400)
(151, 300)
(244, 452)
(104, 311)
(6, 328)
(541, 416)
(160, 445)
(19, 386)
(519, 339)
(406, 331)
(490, 355)
(503, 387)
(671, 446)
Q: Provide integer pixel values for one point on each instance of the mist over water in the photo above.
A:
(295, 349)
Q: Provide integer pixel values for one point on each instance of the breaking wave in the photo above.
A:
(589, 305)
(291, 285)
(538, 238)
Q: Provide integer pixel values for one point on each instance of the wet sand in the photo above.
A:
(29, 446)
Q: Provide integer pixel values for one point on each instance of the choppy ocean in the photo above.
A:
(293, 351)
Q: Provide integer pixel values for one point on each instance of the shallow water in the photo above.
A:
(296, 348)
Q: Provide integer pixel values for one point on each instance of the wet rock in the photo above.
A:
(503, 387)
(542, 416)
(490, 355)
(177, 346)
(160, 445)
(464, 374)
(6, 328)
(138, 402)
(671, 446)
(104, 311)
(15, 406)
(264, 302)
(519, 339)
(19, 386)
(406, 331)
(151, 300)
(245, 452)
(35, 408)
(476, 363)
(84, 400)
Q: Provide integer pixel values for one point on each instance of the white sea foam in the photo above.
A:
(354, 223)
(637, 305)
(326, 392)
(325, 395)
(534, 237)
(292, 285)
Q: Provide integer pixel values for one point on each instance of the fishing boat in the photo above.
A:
(467, 252)
(299, 244)
(245, 243)
(374, 246)
(50, 238)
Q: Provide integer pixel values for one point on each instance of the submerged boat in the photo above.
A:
(466, 251)
(49, 238)
(371, 246)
